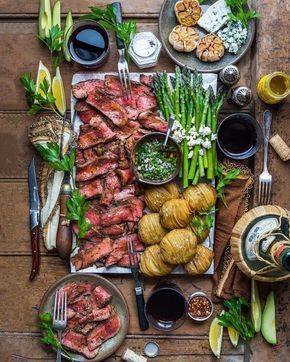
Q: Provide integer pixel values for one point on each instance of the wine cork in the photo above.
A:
(280, 147)
(131, 356)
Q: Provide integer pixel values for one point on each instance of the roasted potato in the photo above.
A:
(156, 196)
(200, 262)
(201, 197)
(150, 230)
(175, 214)
(152, 264)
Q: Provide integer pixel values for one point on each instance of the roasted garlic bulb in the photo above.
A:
(200, 262)
(200, 197)
(150, 230)
(152, 263)
(178, 246)
(175, 214)
(187, 12)
(210, 48)
(183, 38)
(156, 196)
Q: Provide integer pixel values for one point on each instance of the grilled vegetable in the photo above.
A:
(150, 230)
(200, 262)
(175, 214)
(156, 196)
(178, 246)
(201, 197)
(152, 263)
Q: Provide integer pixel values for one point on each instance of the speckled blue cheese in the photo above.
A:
(215, 17)
(234, 36)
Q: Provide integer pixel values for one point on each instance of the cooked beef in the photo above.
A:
(127, 191)
(83, 89)
(146, 102)
(114, 230)
(88, 328)
(100, 166)
(70, 313)
(90, 136)
(103, 332)
(91, 188)
(97, 315)
(85, 258)
(112, 186)
(146, 80)
(126, 176)
(124, 262)
(101, 296)
(77, 342)
(80, 159)
(128, 130)
(113, 85)
(75, 290)
(109, 107)
(85, 111)
(120, 248)
(152, 122)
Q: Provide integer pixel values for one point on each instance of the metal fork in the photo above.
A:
(134, 263)
(59, 317)
(123, 68)
(265, 179)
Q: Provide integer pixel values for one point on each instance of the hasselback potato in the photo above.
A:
(201, 197)
(175, 214)
(150, 230)
(152, 263)
(156, 196)
(178, 246)
(199, 228)
(200, 262)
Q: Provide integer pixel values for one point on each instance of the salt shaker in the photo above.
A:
(241, 96)
(230, 75)
(145, 49)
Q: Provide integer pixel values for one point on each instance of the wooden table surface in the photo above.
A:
(19, 299)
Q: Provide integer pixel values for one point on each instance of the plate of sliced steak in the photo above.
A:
(97, 316)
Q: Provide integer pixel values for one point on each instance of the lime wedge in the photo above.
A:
(58, 92)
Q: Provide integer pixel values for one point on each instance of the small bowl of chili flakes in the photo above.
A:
(200, 307)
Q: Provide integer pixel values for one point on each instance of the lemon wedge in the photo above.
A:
(216, 337)
(43, 73)
(58, 92)
(234, 336)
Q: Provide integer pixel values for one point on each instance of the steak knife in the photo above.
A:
(34, 207)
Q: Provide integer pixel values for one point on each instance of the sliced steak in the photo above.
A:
(85, 111)
(97, 315)
(91, 188)
(113, 85)
(146, 102)
(112, 186)
(109, 107)
(80, 159)
(77, 342)
(146, 80)
(127, 191)
(152, 122)
(88, 328)
(85, 258)
(91, 136)
(75, 290)
(103, 332)
(100, 166)
(124, 262)
(83, 89)
(126, 176)
(101, 296)
(128, 130)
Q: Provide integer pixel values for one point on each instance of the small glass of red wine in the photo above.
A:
(239, 136)
(88, 44)
(166, 307)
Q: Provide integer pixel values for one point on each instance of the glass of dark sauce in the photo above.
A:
(239, 136)
(88, 44)
(166, 307)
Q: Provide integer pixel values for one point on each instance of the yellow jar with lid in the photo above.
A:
(274, 87)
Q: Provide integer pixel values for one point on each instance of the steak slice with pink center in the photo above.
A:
(97, 315)
(90, 136)
(78, 342)
(101, 296)
(91, 188)
(83, 89)
(100, 166)
(152, 122)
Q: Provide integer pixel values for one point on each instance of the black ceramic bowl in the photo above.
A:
(239, 136)
(88, 44)
(160, 137)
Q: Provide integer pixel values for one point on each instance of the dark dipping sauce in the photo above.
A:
(88, 44)
(166, 306)
(238, 137)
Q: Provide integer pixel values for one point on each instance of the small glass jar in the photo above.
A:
(145, 49)
(274, 87)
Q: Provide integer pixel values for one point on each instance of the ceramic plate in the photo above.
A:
(118, 301)
(167, 21)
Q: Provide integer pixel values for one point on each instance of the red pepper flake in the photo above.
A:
(199, 307)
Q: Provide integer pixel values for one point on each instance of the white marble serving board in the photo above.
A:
(209, 79)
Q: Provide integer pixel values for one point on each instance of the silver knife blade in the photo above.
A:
(34, 202)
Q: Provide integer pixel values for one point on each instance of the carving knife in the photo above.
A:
(34, 207)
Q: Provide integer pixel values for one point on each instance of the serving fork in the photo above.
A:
(134, 263)
(265, 179)
(123, 68)
(59, 317)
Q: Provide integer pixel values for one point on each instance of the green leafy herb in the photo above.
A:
(203, 221)
(107, 18)
(49, 337)
(50, 154)
(225, 178)
(54, 40)
(235, 317)
(239, 13)
(38, 100)
(77, 207)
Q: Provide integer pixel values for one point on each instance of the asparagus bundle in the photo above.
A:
(196, 113)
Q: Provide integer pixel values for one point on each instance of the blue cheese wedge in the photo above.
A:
(215, 17)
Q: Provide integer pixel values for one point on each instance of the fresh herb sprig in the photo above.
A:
(239, 13)
(49, 337)
(225, 178)
(107, 19)
(77, 207)
(235, 317)
(54, 43)
(203, 221)
(38, 100)
(50, 154)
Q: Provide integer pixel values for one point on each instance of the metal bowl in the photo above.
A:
(160, 137)
(200, 294)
